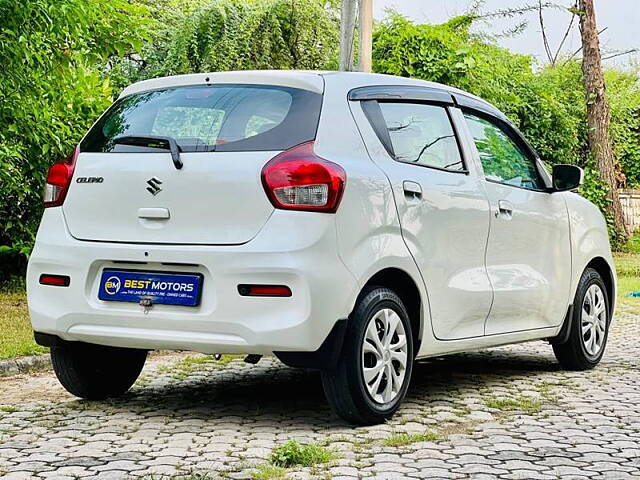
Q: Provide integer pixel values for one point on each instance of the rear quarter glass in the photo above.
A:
(205, 118)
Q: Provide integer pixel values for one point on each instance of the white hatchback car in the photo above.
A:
(340, 221)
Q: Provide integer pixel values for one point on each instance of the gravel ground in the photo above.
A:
(507, 412)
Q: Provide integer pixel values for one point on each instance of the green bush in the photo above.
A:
(51, 91)
(546, 104)
(64, 61)
(239, 35)
(624, 98)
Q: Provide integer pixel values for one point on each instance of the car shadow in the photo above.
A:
(272, 392)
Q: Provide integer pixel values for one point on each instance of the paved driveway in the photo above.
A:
(508, 413)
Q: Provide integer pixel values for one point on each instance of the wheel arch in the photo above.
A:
(606, 271)
(406, 288)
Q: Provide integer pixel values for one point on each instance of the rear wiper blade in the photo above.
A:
(153, 141)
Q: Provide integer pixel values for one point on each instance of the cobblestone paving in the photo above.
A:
(504, 413)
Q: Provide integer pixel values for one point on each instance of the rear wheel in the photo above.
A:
(374, 369)
(589, 326)
(96, 372)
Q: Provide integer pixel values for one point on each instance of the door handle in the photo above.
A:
(154, 213)
(412, 190)
(505, 208)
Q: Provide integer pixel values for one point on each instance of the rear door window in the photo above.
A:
(422, 134)
(211, 118)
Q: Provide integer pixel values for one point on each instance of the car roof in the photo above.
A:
(312, 80)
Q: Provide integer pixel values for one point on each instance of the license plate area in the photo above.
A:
(150, 288)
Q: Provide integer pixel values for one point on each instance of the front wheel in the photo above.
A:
(374, 369)
(96, 372)
(589, 328)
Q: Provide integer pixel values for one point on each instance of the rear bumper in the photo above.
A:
(297, 249)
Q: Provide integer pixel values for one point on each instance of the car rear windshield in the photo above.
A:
(205, 118)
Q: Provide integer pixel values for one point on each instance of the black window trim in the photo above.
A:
(513, 134)
(403, 93)
(466, 102)
(373, 112)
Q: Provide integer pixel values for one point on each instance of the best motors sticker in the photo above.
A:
(156, 287)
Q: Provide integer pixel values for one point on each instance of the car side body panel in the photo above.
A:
(369, 235)
(589, 241)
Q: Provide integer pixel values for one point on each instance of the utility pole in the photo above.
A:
(598, 114)
(365, 15)
(347, 28)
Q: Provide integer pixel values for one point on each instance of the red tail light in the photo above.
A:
(298, 179)
(58, 180)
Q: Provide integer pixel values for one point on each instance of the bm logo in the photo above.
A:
(112, 285)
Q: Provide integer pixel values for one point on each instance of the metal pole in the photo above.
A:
(347, 28)
(366, 27)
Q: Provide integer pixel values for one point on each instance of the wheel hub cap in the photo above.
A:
(384, 356)
(594, 320)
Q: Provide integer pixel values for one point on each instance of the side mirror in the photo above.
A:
(566, 177)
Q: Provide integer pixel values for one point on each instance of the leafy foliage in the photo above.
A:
(51, 92)
(450, 54)
(547, 105)
(167, 17)
(240, 35)
(624, 99)
(247, 35)
(64, 60)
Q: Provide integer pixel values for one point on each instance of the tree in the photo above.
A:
(598, 114)
(256, 34)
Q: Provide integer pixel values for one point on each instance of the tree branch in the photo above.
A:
(619, 54)
(566, 34)
(573, 55)
(543, 31)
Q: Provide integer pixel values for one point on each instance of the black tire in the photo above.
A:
(345, 386)
(96, 372)
(573, 355)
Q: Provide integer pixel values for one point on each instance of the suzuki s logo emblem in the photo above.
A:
(154, 186)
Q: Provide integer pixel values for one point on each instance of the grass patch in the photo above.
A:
(8, 409)
(528, 405)
(269, 472)
(17, 336)
(403, 439)
(293, 454)
(187, 366)
(628, 269)
(632, 245)
(186, 476)
(627, 264)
